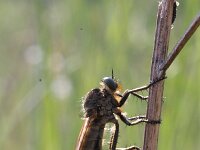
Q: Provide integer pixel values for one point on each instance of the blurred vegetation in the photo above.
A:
(53, 52)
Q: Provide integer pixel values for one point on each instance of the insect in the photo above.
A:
(99, 106)
(175, 5)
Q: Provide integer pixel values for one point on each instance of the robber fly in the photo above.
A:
(101, 106)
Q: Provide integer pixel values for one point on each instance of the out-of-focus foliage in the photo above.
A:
(53, 52)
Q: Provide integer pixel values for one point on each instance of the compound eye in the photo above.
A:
(110, 83)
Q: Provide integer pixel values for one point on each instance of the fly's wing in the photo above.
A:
(91, 135)
(82, 134)
(90, 113)
(90, 102)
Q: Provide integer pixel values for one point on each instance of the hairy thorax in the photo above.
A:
(100, 104)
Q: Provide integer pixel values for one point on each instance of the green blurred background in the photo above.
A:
(53, 52)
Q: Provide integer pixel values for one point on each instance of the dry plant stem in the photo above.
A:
(181, 43)
(164, 19)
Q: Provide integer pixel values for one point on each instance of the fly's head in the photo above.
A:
(111, 84)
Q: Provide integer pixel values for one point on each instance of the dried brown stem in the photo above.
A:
(154, 107)
(181, 43)
(159, 66)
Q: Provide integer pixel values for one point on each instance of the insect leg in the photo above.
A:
(140, 96)
(124, 98)
(146, 86)
(137, 120)
(129, 123)
(114, 138)
(129, 148)
(137, 117)
(128, 92)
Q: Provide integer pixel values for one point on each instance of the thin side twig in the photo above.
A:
(181, 43)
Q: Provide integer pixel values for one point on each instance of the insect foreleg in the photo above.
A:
(133, 92)
(140, 96)
(146, 86)
(124, 98)
(127, 93)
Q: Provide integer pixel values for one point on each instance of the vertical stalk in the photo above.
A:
(164, 19)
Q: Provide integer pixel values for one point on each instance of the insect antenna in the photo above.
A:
(112, 74)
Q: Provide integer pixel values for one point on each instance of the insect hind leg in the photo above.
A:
(129, 148)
